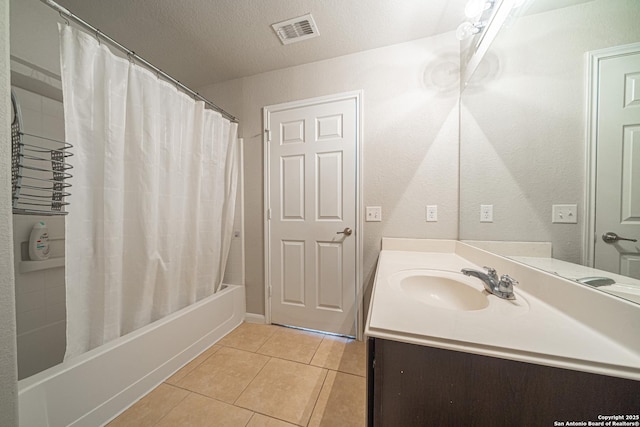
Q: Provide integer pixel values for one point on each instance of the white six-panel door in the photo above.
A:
(311, 210)
(618, 165)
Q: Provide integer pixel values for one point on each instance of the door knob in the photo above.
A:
(611, 237)
(347, 231)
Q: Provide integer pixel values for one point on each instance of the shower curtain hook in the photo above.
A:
(98, 37)
(131, 55)
(64, 18)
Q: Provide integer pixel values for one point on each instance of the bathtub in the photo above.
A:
(95, 387)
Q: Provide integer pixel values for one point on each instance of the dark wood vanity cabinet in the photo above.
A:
(413, 385)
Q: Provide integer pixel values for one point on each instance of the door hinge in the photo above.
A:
(268, 214)
(268, 133)
(269, 291)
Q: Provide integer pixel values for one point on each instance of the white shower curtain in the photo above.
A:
(153, 196)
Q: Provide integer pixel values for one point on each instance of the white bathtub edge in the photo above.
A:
(90, 393)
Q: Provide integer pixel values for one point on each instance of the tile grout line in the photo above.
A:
(324, 381)
(192, 360)
(316, 350)
(210, 398)
(174, 406)
(261, 369)
(265, 341)
(251, 382)
(258, 373)
(267, 415)
(286, 360)
(250, 418)
(189, 391)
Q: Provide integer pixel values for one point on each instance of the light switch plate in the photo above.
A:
(564, 214)
(374, 214)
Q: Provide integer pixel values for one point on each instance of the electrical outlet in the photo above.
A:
(486, 213)
(374, 214)
(564, 214)
(431, 213)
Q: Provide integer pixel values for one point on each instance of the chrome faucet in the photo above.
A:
(501, 287)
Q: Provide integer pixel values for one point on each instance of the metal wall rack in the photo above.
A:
(39, 170)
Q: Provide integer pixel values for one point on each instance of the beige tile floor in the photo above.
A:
(262, 375)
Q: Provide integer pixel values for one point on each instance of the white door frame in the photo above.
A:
(267, 111)
(593, 77)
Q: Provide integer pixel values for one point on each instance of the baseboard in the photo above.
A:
(254, 318)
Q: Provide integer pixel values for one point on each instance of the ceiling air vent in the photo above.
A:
(296, 29)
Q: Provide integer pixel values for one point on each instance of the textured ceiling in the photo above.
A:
(201, 42)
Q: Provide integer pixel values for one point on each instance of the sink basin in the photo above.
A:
(442, 289)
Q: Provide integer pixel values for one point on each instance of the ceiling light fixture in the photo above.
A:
(478, 13)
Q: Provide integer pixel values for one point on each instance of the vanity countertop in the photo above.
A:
(552, 322)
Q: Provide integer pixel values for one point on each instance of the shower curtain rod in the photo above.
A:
(66, 14)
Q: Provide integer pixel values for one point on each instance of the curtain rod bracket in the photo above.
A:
(64, 18)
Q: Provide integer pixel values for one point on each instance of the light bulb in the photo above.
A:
(466, 30)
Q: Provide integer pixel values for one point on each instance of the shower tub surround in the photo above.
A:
(554, 331)
(40, 293)
(93, 388)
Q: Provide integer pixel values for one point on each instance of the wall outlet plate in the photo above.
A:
(431, 213)
(486, 213)
(374, 214)
(564, 214)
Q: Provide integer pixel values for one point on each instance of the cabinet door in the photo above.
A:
(423, 386)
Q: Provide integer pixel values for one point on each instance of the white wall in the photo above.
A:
(410, 139)
(523, 123)
(34, 34)
(8, 366)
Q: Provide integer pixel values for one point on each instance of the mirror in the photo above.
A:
(523, 130)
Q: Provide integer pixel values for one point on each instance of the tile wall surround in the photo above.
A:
(40, 295)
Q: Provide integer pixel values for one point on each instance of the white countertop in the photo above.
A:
(529, 329)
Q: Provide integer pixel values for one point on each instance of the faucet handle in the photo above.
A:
(507, 282)
(491, 272)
